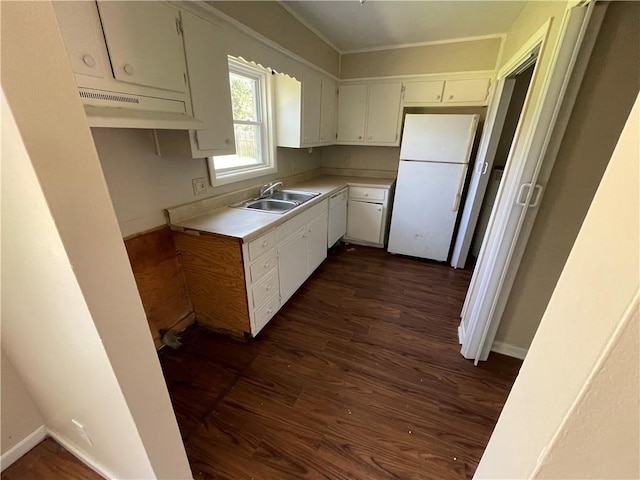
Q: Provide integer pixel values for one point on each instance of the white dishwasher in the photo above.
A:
(337, 216)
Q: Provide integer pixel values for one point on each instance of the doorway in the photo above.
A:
(514, 95)
(544, 117)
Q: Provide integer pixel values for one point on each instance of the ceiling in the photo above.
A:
(349, 25)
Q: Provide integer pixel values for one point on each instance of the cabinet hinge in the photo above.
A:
(179, 26)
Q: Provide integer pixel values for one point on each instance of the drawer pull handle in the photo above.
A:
(366, 194)
(266, 264)
(269, 311)
(265, 243)
(269, 287)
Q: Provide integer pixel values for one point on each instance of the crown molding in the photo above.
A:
(501, 36)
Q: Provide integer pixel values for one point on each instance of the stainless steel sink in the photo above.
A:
(278, 202)
(293, 196)
(270, 205)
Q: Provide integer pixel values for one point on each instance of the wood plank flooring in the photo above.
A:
(48, 461)
(358, 377)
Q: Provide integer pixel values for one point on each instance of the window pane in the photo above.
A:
(243, 97)
(248, 142)
(247, 149)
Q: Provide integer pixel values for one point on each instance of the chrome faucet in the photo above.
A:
(268, 188)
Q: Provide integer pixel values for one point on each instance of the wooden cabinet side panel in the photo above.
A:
(215, 279)
(160, 280)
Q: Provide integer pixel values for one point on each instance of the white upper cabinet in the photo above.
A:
(82, 33)
(423, 92)
(473, 91)
(311, 103)
(383, 115)
(144, 43)
(369, 113)
(465, 91)
(208, 76)
(352, 112)
(305, 112)
(328, 111)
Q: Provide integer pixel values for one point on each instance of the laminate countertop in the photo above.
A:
(249, 224)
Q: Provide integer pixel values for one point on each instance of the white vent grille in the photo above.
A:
(108, 97)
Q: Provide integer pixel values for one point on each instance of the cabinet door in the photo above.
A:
(292, 263)
(311, 99)
(476, 90)
(384, 112)
(316, 242)
(423, 92)
(352, 108)
(364, 221)
(208, 71)
(80, 27)
(144, 43)
(329, 101)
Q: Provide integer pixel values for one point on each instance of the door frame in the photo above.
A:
(519, 194)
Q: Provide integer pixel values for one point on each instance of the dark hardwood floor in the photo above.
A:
(47, 461)
(358, 377)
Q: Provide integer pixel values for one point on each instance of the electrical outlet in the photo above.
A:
(82, 433)
(199, 185)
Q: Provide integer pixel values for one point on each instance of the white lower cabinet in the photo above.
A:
(367, 216)
(292, 263)
(364, 221)
(316, 242)
(301, 252)
(277, 263)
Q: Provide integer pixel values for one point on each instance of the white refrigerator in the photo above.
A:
(434, 156)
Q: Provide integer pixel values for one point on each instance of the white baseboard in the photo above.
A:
(461, 333)
(22, 447)
(80, 455)
(509, 350)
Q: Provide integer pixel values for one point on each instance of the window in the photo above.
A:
(251, 105)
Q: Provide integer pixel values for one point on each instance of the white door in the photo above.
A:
(207, 67)
(364, 221)
(311, 99)
(292, 263)
(144, 43)
(383, 112)
(316, 242)
(483, 165)
(519, 195)
(425, 208)
(329, 101)
(352, 109)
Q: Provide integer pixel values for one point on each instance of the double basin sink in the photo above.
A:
(280, 201)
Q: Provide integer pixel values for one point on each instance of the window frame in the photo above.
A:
(268, 164)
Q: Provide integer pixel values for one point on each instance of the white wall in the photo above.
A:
(47, 329)
(86, 339)
(20, 416)
(142, 184)
(591, 302)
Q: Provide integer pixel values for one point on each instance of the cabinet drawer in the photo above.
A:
(262, 244)
(265, 288)
(262, 267)
(366, 193)
(264, 314)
